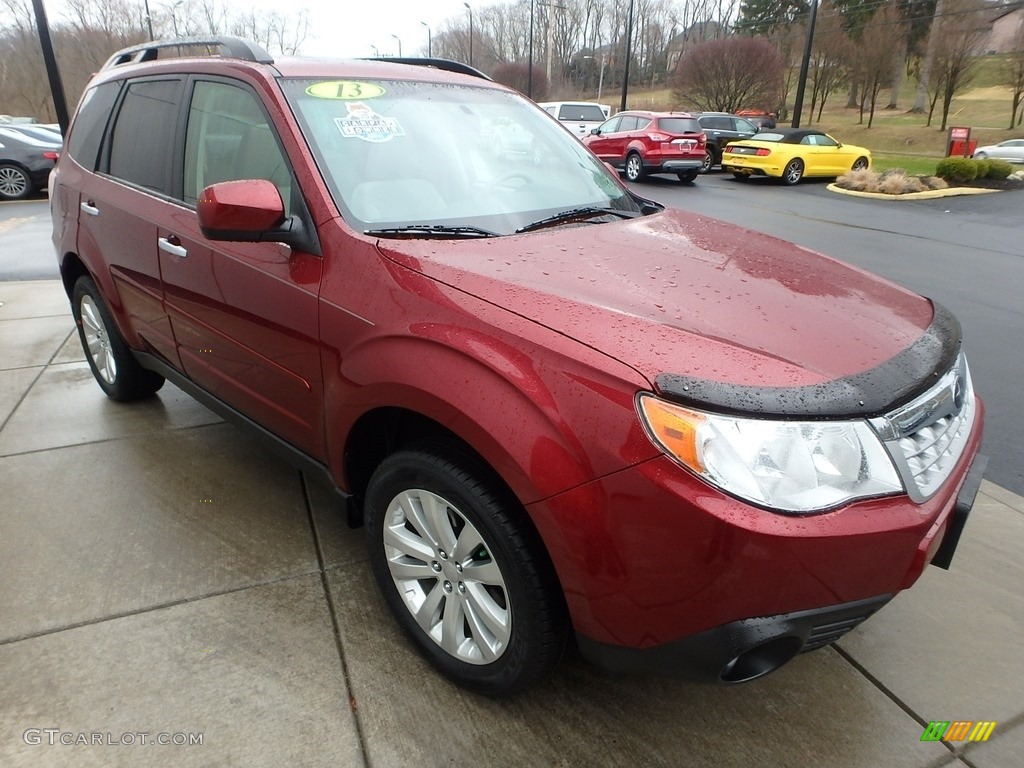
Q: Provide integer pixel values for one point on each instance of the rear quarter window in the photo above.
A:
(91, 123)
(142, 142)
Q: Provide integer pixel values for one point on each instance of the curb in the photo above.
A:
(931, 194)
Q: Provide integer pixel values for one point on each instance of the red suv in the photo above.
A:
(559, 410)
(639, 143)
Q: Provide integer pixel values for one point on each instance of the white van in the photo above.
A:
(578, 117)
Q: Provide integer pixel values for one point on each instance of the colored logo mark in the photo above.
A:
(958, 730)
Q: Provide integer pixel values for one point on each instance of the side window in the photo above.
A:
(142, 144)
(641, 123)
(745, 126)
(228, 139)
(826, 141)
(612, 126)
(717, 123)
(628, 124)
(90, 124)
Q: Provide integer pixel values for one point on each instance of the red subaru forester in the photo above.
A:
(560, 410)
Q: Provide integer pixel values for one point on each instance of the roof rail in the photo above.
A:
(234, 47)
(445, 64)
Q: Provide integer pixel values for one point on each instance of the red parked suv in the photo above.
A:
(639, 143)
(560, 410)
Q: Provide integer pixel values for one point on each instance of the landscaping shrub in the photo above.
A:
(957, 170)
(998, 169)
(983, 165)
(896, 182)
(933, 182)
(863, 180)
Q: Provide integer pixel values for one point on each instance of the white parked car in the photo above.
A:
(1011, 150)
(578, 117)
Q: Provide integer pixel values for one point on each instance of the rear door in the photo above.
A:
(116, 234)
(245, 315)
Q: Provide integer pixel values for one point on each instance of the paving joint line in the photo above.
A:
(338, 642)
(152, 608)
(42, 370)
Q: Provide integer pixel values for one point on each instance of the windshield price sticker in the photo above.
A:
(365, 124)
(346, 90)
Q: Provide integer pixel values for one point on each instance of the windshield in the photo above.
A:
(399, 154)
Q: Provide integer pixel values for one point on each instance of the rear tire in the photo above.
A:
(793, 172)
(740, 176)
(634, 167)
(116, 370)
(463, 572)
(687, 177)
(709, 161)
(15, 183)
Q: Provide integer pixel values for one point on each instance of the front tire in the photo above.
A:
(860, 164)
(15, 183)
(463, 572)
(634, 167)
(117, 372)
(793, 172)
(687, 177)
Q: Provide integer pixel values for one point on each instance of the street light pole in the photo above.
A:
(149, 20)
(376, 51)
(399, 45)
(470, 33)
(429, 52)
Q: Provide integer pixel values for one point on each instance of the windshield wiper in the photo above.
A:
(579, 213)
(439, 230)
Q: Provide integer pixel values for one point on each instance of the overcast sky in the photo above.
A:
(350, 27)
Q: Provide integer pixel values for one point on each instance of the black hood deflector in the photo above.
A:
(870, 393)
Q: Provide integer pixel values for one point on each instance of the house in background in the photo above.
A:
(1006, 29)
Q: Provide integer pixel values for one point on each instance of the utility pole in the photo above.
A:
(529, 75)
(551, 11)
(804, 66)
(629, 53)
(60, 104)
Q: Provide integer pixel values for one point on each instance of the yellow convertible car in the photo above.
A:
(792, 153)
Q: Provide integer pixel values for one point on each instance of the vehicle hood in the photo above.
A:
(691, 301)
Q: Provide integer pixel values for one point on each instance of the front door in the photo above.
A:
(245, 315)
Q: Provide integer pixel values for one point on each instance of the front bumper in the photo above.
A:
(651, 557)
(737, 652)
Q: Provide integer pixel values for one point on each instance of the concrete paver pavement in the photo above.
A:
(163, 575)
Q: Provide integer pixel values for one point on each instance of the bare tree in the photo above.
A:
(959, 35)
(878, 50)
(1014, 77)
(830, 57)
(730, 74)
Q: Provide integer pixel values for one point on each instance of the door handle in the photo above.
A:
(89, 208)
(167, 246)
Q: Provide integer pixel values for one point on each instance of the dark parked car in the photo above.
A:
(560, 410)
(720, 128)
(641, 143)
(25, 163)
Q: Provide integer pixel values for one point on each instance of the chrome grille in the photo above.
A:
(926, 437)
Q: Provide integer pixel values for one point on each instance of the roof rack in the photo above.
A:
(234, 47)
(445, 64)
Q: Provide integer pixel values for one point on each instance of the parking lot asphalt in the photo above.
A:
(164, 579)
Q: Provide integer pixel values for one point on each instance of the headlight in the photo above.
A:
(790, 466)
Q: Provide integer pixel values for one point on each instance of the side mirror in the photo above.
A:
(595, 131)
(245, 211)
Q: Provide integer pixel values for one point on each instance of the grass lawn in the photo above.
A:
(897, 138)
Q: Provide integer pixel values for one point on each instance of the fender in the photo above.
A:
(520, 413)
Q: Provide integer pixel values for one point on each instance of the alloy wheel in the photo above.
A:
(13, 182)
(97, 340)
(445, 574)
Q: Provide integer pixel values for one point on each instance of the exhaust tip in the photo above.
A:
(761, 659)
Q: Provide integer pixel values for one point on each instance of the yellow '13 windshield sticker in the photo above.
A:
(346, 90)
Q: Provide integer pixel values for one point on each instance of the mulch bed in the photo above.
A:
(1006, 185)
